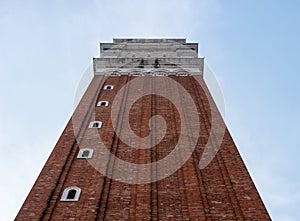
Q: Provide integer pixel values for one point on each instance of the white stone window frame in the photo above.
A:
(81, 151)
(91, 125)
(66, 192)
(108, 87)
(99, 104)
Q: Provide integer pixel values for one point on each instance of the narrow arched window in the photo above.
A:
(108, 87)
(85, 153)
(95, 124)
(71, 194)
(102, 104)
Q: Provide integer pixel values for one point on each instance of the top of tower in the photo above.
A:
(149, 40)
(145, 47)
(148, 55)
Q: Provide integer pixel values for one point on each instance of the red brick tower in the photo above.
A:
(146, 142)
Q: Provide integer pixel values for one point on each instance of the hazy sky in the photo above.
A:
(252, 46)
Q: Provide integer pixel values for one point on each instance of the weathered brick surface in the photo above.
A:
(221, 191)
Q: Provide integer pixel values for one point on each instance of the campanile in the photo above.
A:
(145, 142)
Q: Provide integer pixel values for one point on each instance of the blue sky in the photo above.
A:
(252, 46)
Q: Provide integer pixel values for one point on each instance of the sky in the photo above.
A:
(252, 47)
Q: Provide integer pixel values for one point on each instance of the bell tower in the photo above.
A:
(145, 142)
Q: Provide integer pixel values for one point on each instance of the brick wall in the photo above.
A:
(221, 191)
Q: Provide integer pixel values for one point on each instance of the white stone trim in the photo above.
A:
(147, 71)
